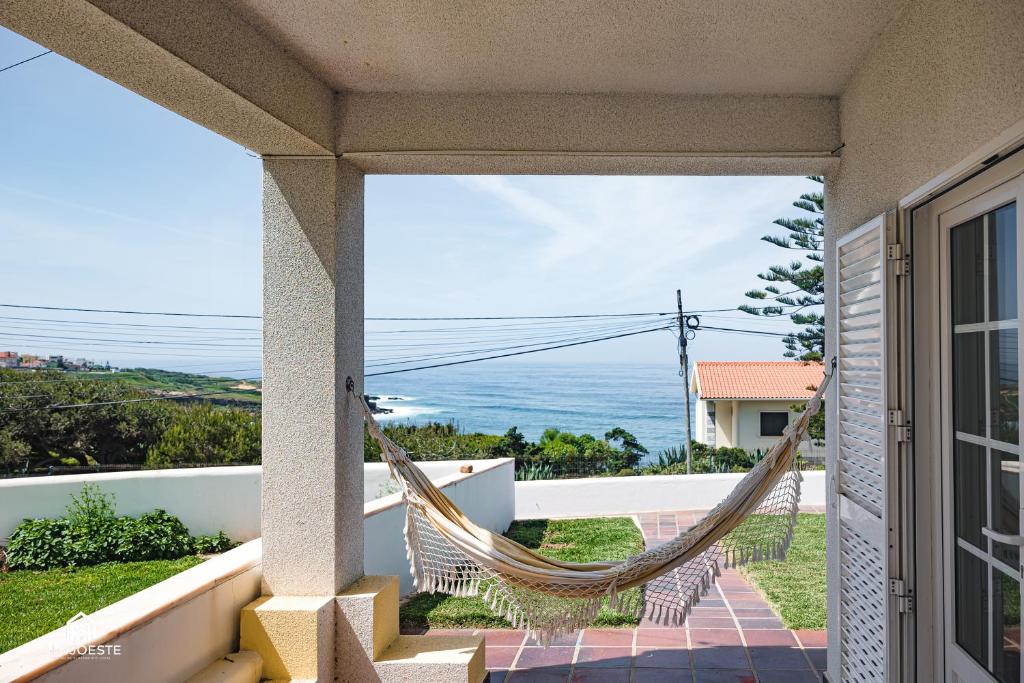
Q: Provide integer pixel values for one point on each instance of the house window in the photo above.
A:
(772, 424)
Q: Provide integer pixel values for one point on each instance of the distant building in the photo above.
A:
(8, 359)
(748, 404)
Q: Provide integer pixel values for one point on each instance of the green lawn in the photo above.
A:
(33, 603)
(571, 540)
(796, 586)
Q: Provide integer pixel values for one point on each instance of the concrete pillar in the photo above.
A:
(734, 439)
(312, 508)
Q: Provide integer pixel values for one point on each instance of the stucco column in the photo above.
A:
(735, 438)
(312, 508)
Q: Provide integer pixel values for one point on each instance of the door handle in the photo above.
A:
(1009, 539)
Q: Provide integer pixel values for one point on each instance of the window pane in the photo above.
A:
(1006, 627)
(1006, 503)
(969, 382)
(1004, 385)
(969, 492)
(1002, 258)
(772, 424)
(966, 260)
(972, 605)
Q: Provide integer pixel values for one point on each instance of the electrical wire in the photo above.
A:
(26, 61)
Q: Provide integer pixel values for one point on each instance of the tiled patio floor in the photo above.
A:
(731, 636)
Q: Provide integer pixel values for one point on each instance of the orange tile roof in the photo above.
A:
(757, 379)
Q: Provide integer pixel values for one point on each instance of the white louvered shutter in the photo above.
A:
(859, 458)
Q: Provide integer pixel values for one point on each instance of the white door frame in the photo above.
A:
(930, 352)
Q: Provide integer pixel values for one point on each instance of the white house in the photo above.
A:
(747, 404)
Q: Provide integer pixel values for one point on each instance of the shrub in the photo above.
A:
(91, 534)
(207, 435)
(217, 543)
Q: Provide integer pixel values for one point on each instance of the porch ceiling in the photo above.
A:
(688, 47)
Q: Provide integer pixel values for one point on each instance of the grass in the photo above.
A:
(33, 603)
(149, 379)
(571, 540)
(796, 587)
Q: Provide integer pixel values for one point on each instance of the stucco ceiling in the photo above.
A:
(700, 47)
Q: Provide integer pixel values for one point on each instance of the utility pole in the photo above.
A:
(684, 372)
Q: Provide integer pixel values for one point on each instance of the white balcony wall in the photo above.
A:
(604, 496)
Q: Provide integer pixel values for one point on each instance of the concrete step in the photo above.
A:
(238, 667)
(452, 659)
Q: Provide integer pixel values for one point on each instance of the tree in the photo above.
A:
(804, 287)
(203, 434)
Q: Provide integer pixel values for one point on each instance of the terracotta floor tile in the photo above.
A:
(818, 656)
(538, 676)
(754, 613)
(661, 658)
(661, 637)
(812, 638)
(566, 640)
(704, 610)
(783, 676)
(608, 636)
(500, 657)
(660, 675)
(727, 676)
(605, 658)
(748, 604)
(502, 636)
(755, 637)
(766, 658)
(712, 622)
(720, 657)
(700, 638)
(600, 676)
(540, 657)
(496, 677)
(711, 601)
(760, 623)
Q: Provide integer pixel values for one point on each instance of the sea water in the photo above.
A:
(646, 400)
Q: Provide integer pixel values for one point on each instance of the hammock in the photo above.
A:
(448, 553)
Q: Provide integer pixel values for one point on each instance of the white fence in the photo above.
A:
(603, 496)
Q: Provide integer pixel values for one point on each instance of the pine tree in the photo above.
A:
(804, 286)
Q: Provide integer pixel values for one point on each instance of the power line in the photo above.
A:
(107, 310)
(401, 318)
(26, 61)
(507, 355)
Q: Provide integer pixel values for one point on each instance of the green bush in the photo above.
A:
(203, 434)
(91, 534)
(217, 543)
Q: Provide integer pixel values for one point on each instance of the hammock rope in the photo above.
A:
(450, 554)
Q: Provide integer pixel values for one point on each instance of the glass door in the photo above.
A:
(981, 281)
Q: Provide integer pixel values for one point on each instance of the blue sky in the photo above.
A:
(110, 201)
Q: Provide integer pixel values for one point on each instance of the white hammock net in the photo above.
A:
(450, 554)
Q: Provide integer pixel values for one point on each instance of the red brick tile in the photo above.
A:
(713, 622)
(661, 658)
(748, 604)
(541, 657)
(703, 610)
(769, 637)
(783, 676)
(600, 676)
(760, 623)
(754, 613)
(812, 638)
(500, 657)
(496, 677)
(608, 636)
(766, 658)
(502, 636)
(720, 657)
(538, 676)
(605, 657)
(566, 640)
(661, 637)
(818, 657)
(660, 675)
(726, 676)
(700, 638)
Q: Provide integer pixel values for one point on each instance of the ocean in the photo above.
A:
(646, 400)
